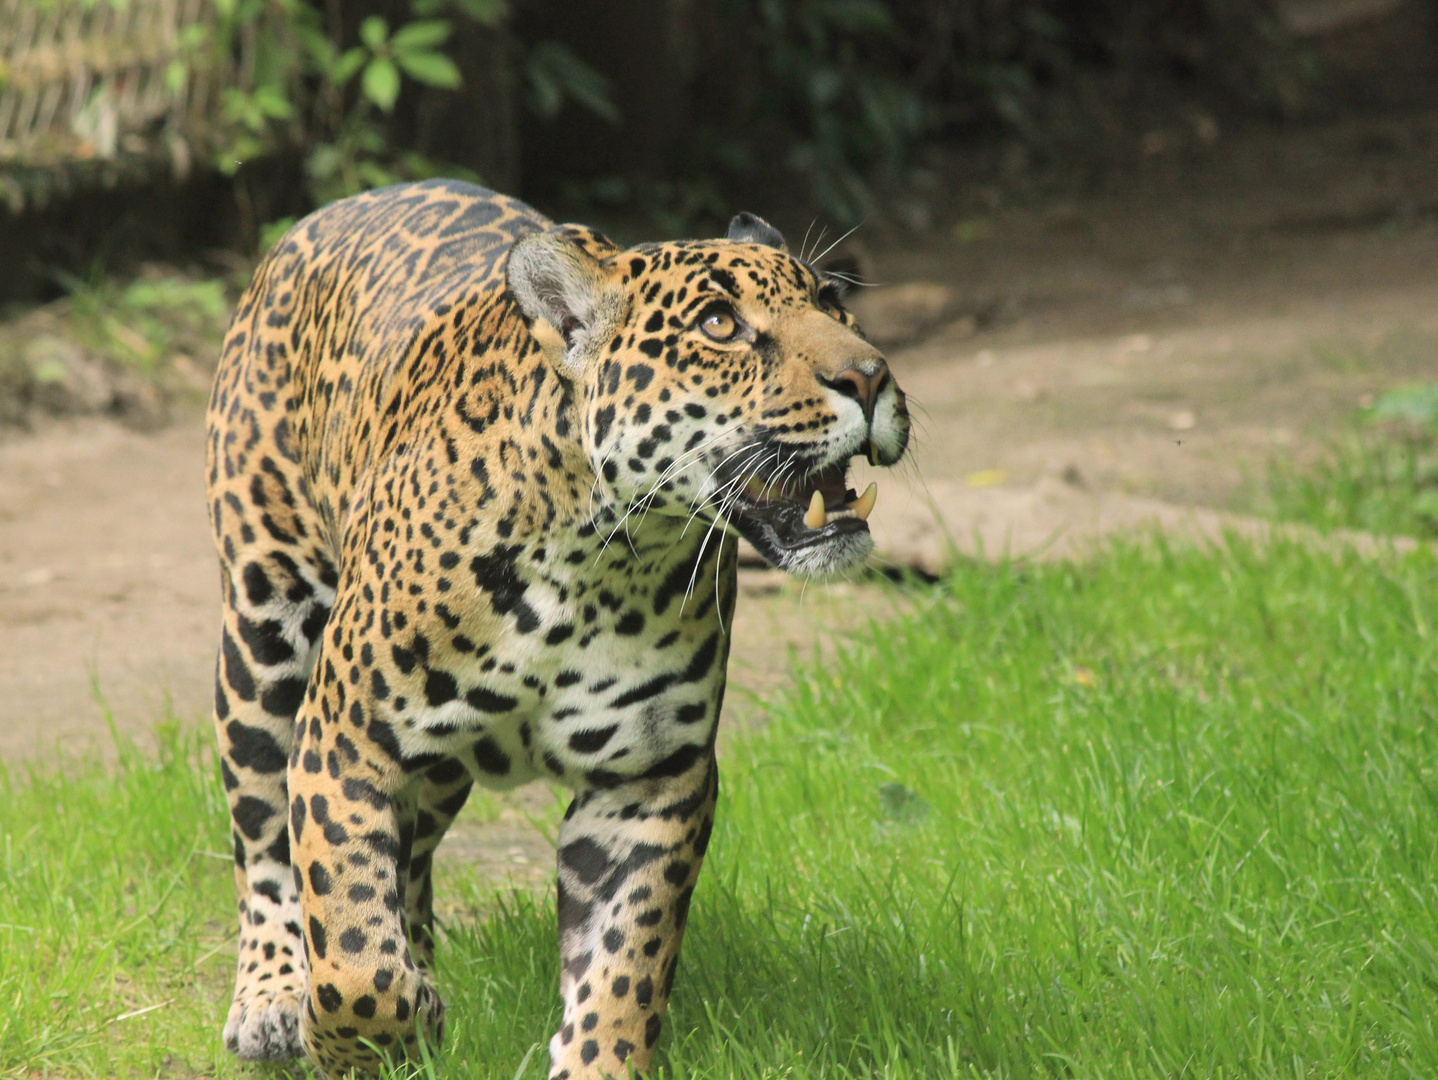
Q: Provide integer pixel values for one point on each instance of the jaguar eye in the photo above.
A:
(719, 325)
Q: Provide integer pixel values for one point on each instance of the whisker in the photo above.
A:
(599, 479)
(720, 497)
(858, 283)
(805, 242)
(817, 241)
(720, 513)
(700, 500)
(622, 524)
(836, 243)
(676, 464)
(718, 566)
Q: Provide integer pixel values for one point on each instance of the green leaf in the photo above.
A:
(825, 85)
(374, 31)
(317, 46)
(1425, 504)
(228, 159)
(244, 109)
(420, 35)
(325, 161)
(50, 371)
(175, 73)
(546, 97)
(271, 233)
(272, 103)
(484, 12)
(555, 73)
(381, 82)
(347, 66)
(232, 101)
(374, 175)
(368, 139)
(193, 37)
(415, 166)
(430, 68)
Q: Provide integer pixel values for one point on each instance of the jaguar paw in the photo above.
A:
(265, 1027)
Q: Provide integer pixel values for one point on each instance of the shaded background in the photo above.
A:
(660, 117)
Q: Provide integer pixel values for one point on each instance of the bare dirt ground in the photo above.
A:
(1078, 366)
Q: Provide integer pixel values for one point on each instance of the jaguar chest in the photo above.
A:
(605, 667)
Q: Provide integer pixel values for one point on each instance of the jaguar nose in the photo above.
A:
(860, 383)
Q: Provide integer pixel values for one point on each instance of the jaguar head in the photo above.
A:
(722, 383)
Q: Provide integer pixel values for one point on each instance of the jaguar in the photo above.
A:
(476, 482)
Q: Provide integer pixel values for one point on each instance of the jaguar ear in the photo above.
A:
(561, 285)
(750, 228)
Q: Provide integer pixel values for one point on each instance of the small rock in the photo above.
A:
(1183, 420)
(1029, 392)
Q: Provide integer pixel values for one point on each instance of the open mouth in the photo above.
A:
(824, 498)
(782, 518)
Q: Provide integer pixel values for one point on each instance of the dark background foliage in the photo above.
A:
(662, 116)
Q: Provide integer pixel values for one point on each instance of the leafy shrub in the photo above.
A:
(329, 93)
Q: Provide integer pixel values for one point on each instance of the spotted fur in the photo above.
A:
(473, 479)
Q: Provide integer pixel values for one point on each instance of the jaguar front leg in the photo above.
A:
(352, 815)
(259, 681)
(629, 857)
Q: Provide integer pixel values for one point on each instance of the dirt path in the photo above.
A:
(107, 580)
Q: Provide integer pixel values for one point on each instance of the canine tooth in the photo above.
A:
(755, 488)
(815, 517)
(863, 506)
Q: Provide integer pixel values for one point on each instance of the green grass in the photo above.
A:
(116, 894)
(1167, 813)
(1378, 481)
(1380, 476)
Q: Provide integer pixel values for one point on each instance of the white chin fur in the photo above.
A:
(826, 560)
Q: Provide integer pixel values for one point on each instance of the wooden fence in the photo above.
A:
(94, 90)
